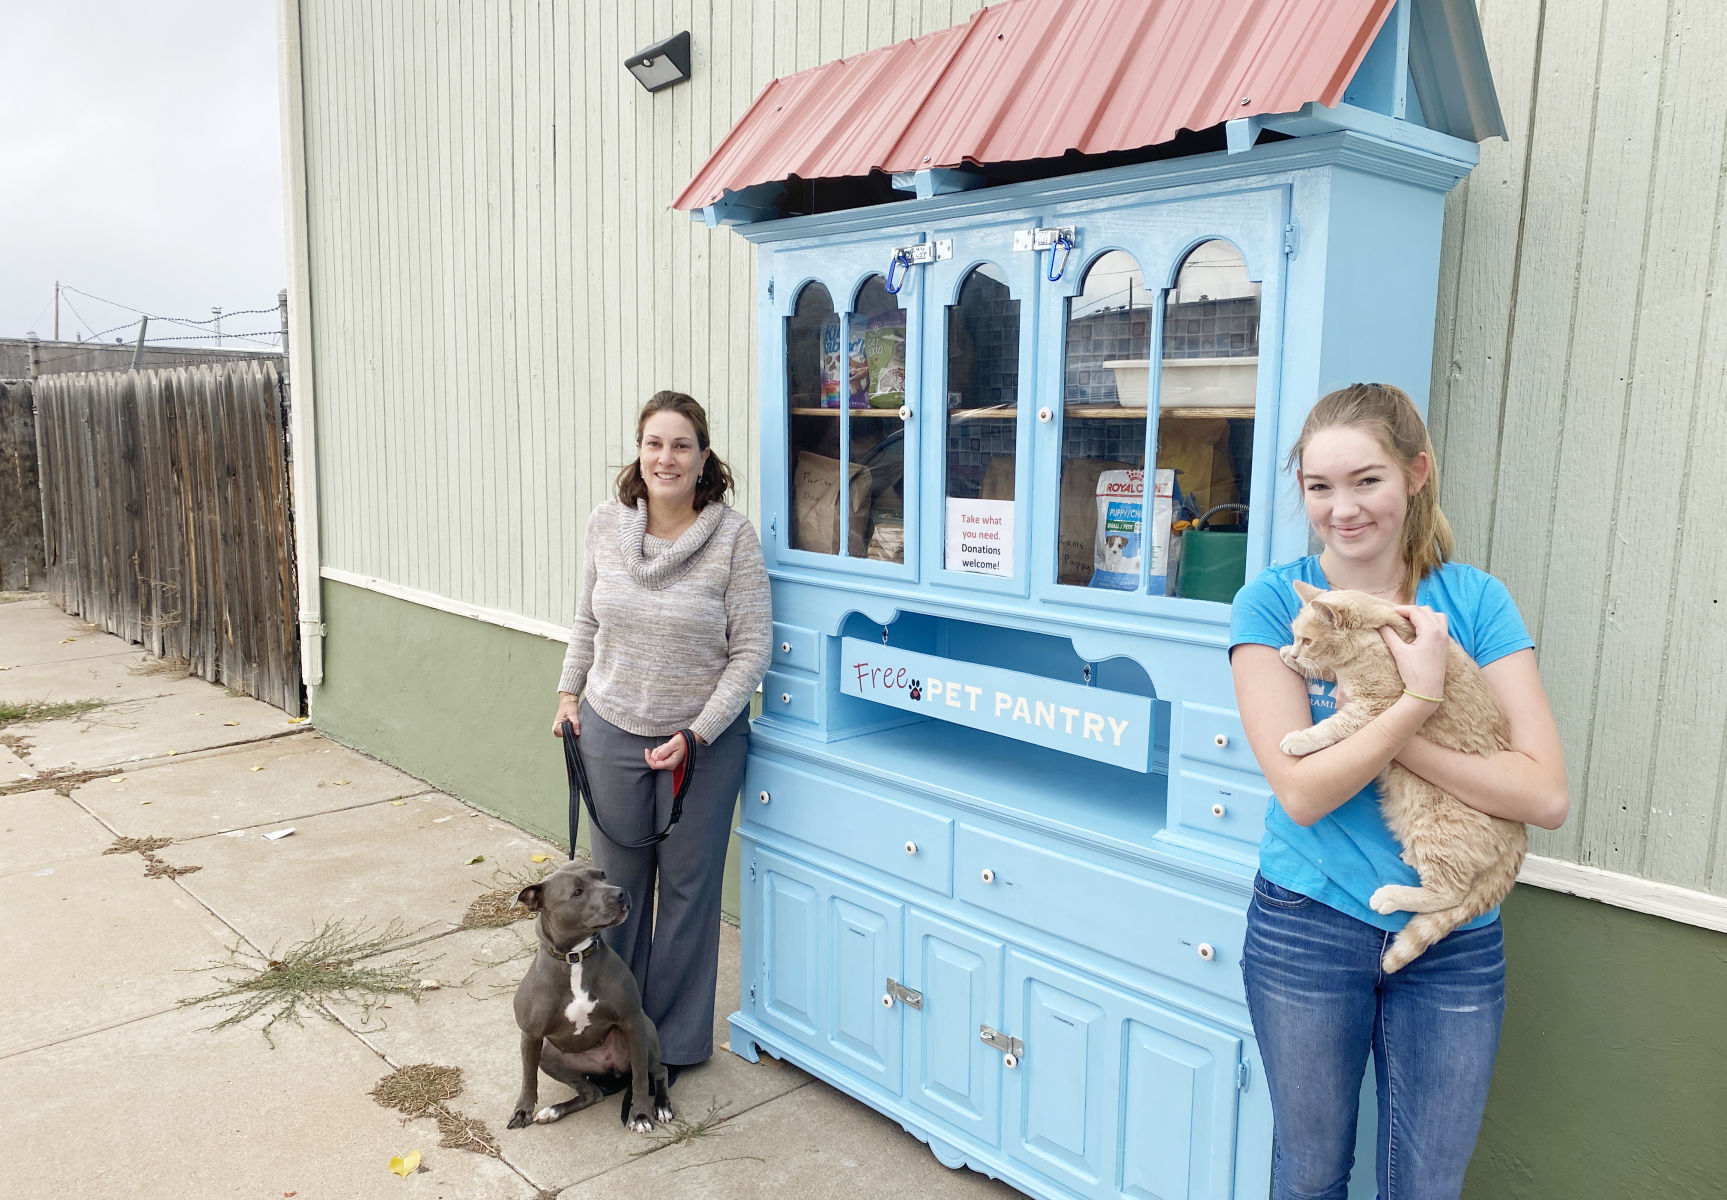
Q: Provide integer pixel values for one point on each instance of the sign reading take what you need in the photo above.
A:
(1111, 727)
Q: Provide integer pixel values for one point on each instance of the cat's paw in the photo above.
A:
(1389, 899)
(1297, 744)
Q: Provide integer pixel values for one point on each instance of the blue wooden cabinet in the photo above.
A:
(1000, 819)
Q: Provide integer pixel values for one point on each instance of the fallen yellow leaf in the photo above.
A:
(298, 720)
(116, 779)
(143, 802)
(64, 641)
(478, 858)
(542, 858)
(397, 803)
(405, 1166)
(257, 768)
(230, 722)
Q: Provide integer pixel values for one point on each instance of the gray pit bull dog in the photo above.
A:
(578, 1006)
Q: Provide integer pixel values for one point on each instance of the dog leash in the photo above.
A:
(581, 790)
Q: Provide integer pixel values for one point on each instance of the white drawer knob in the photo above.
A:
(887, 999)
(905, 412)
(1222, 740)
(785, 647)
(1217, 810)
(785, 697)
(763, 796)
(988, 875)
(911, 847)
(1046, 415)
(1010, 1061)
(1206, 953)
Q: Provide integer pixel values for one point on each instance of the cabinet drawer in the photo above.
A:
(1142, 921)
(1217, 803)
(795, 647)
(894, 837)
(1213, 735)
(787, 695)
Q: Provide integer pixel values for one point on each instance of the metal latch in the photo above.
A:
(1041, 239)
(898, 991)
(927, 252)
(997, 1040)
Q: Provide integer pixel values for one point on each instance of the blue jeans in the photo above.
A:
(1319, 1001)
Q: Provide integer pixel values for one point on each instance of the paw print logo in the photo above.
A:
(917, 689)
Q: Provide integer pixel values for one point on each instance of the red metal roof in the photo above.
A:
(1030, 79)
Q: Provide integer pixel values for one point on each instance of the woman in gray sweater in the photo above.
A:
(672, 632)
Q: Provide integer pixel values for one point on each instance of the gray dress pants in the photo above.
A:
(672, 948)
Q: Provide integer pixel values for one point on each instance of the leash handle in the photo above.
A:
(582, 791)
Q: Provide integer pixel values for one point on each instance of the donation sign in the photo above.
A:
(980, 536)
(1111, 727)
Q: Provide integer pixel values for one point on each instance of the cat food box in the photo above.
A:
(852, 368)
(1121, 530)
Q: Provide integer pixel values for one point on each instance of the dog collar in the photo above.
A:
(576, 954)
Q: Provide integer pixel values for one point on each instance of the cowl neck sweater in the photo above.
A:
(673, 559)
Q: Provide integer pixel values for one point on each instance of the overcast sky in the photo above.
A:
(140, 162)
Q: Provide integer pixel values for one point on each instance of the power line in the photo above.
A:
(244, 312)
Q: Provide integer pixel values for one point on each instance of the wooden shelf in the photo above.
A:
(856, 412)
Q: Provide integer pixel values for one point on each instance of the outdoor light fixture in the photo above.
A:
(663, 63)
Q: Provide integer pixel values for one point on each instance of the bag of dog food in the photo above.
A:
(850, 370)
(1122, 525)
(884, 350)
(1076, 537)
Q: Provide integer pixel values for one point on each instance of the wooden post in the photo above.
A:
(138, 350)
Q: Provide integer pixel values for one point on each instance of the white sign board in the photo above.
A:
(980, 536)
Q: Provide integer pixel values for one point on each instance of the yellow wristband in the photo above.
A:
(1429, 699)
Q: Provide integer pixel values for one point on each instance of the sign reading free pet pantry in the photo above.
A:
(1111, 727)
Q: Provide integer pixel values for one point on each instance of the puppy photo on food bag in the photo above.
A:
(578, 1007)
(1467, 860)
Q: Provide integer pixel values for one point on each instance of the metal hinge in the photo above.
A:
(1041, 239)
(752, 870)
(899, 991)
(998, 1040)
(1291, 239)
(752, 994)
(1241, 1077)
(770, 289)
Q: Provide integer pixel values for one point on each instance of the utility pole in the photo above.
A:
(138, 350)
(56, 310)
(216, 311)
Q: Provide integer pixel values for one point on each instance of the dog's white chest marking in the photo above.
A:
(581, 1005)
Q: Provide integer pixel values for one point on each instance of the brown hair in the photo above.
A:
(1389, 415)
(715, 480)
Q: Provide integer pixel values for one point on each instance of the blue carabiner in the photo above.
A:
(900, 259)
(1063, 244)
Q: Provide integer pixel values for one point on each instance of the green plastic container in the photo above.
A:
(1213, 562)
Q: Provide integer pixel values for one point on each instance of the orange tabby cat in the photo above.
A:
(1467, 860)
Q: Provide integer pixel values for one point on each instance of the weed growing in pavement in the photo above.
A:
(173, 668)
(307, 977)
(680, 1130)
(420, 1090)
(498, 907)
(13, 712)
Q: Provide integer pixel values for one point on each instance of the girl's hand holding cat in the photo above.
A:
(1421, 662)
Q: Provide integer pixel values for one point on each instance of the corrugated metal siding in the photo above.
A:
(485, 331)
(497, 280)
(1031, 79)
(1580, 365)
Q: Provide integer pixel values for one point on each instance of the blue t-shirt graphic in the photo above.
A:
(1348, 854)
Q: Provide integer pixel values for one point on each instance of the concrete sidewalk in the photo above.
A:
(110, 1087)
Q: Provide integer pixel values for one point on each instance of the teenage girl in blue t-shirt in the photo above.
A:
(1318, 998)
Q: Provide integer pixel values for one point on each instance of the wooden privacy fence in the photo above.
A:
(166, 516)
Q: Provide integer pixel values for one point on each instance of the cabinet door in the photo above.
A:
(1115, 1096)
(952, 1074)
(839, 382)
(828, 950)
(977, 412)
(1159, 345)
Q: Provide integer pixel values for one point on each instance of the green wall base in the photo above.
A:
(1612, 1077)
